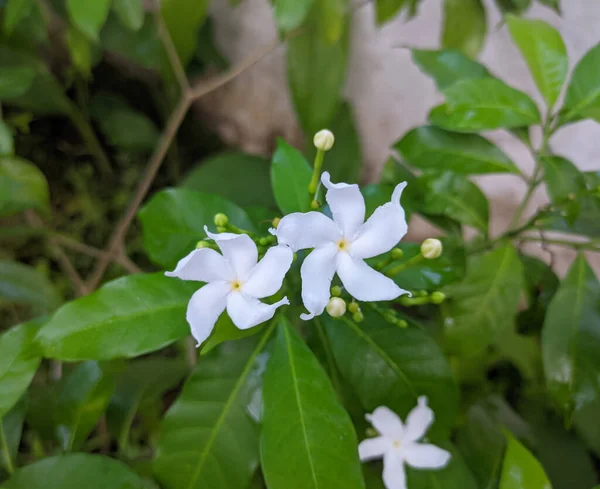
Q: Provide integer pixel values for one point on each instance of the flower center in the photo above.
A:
(396, 444)
(343, 245)
(236, 286)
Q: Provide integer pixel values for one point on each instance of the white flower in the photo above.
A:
(235, 281)
(398, 445)
(341, 245)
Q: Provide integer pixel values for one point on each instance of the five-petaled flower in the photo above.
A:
(236, 280)
(398, 445)
(341, 245)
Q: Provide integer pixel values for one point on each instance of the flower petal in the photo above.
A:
(205, 307)
(203, 265)
(418, 420)
(387, 422)
(267, 276)
(426, 456)
(246, 311)
(364, 283)
(383, 230)
(317, 273)
(373, 448)
(238, 249)
(347, 205)
(301, 231)
(394, 476)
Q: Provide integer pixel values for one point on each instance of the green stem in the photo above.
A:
(588, 245)
(89, 137)
(403, 266)
(5, 452)
(314, 181)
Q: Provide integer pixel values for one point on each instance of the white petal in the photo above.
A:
(387, 422)
(267, 276)
(246, 312)
(238, 249)
(203, 265)
(394, 476)
(347, 205)
(426, 456)
(373, 448)
(418, 420)
(383, 230)
(364, 283)
(205, 307)
(301, 231)
(317, 273)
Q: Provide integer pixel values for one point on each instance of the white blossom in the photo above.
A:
(398, 444)
(235, 280)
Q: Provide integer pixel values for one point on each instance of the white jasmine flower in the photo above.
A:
(398, 445)
(235, 281)
(341, 245)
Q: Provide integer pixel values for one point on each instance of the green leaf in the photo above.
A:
(582, 99)
(225, 330)
(585, 421)
(404, 363)
(22, 186)
(586, 218)
(130, 130)
(174, 219)
(553, 4)
(386, 10)
(452, 195)
(89, 17)
(465, 26)
(216, 410)
(22, 284)
(83, 398)
(448, 66)
(545, 53)
(183, 19)
(571, 338)
(516, 7)
(15, 80)
(290, 14)
(430, 148)
(485, 304)
(7, 145)
(11, 429)
(290, 177)
(127, 317)
(130, 13)
(240, 177)
(520, 469)
(14, 12)
(19, 360)
(81, 51)
(75, 471)
(563, 179)
(305, 427)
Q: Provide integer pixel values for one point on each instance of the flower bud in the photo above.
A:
(275, 222)
(431, 248)
(221, 220)
(202, 244)
(324, 140)
(397, 253)
(221, 229)
(336, 291)
(401, 323)
(336, 307)
(353, 307)
(357, 317)
(263, 241)
(437, 297)
(314, 205)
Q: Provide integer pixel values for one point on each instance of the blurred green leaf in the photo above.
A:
(22, 186)
(129, 129)
(582, 99)
(130, 13)
(240, 177)
(397, 375)
(15, 80)
(80, 50)
(216, 410)
(290, 177)
(75, 471)
(545, 53)
(22, 284)
(127, 317)
(484, 104)
(586, 222)
(11, 429)
(29, 31)
(386, 10)
(516, 7)
(7, 145)
(332, 19)
(299, 396)
(89, 17)
(290, 14)
(430, 148)
(484, 304)
(465, 26)
(563, 179)
(585, 422)
(520, 469)
(183, 19)
(14, 12)
(553, 4)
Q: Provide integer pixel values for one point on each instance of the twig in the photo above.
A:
(585, 245)
(174, 60)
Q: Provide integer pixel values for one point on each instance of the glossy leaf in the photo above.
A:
(14, 12)
(465, 26)
(431, 148)
(484, 304)
(127, 317)
(404, 363)
(22, 186)
(386, 10)
(174, 219)
(215, 411)
(290, 177)
(545, 53)
(22, 284)
(298, 441)
(582, 99)
(183, 19)
(73, 472)
(290, 14)
(571, 338)
(520, 469)
(89, 17)
(130, 13)
(11, 429)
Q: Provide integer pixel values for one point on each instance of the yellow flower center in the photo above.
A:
(396, 444)
(343, 245)
(236, 286)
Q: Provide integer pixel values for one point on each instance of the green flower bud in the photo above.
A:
(357, 317)
(202, 244)
(437, 297)
(221, 229)
(221, 220)
(353, 307)
(397, 253)
(401, 323)
(336, 307)
(431, 248)
(324, 140)
(263, 241)
(336, 291)
(275, 222)
(314, 205)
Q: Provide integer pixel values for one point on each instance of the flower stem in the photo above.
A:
(403, 266)
(314, 181)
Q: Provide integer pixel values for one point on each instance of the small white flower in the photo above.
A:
(341, 245)
(235, 281)
(398, 445)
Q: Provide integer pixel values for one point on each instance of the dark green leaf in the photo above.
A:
(15, 80)
(217, 410)
(130, 130)
(7, 146)
(520, 469)
(127, 317)
(404, 363)
(290, 14)
(516, 7)
(22, 186)
(430, 148)
(130, 13)
(14, 12)
(485, 304)
(583, 94)
(174, 219)
(11, 429)
(89, 17)
(585, 421)
(30, 31)
(183, 19)
(586, 222)
(75, 471)
(22, 284)
(545, 53)
(290, 177)
(553, 4)
(80, 49)
(305, 428)
(484, 104)
(386, 10)
(465, 26)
